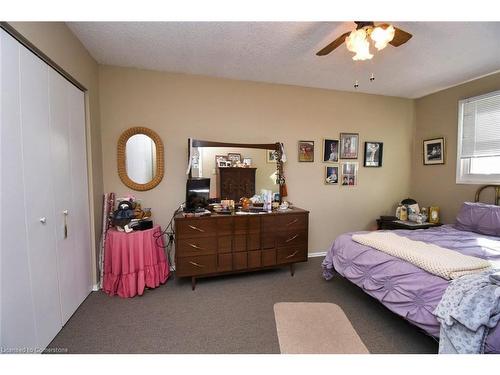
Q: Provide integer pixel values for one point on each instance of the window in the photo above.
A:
(478, 149)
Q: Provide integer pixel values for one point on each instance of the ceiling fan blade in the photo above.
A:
(337, 42)
(400, 37)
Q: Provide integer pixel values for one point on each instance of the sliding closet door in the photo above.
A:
(81, 284)
(17, 310)
(71, 197)
(63, 192)
(41, 221)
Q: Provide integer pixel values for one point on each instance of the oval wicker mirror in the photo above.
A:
(140, 158)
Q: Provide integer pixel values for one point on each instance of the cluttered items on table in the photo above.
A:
(129, 215)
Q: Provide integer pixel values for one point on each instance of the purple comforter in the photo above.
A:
(403, 288)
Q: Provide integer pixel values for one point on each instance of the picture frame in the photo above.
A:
(219, 158)
(306, 151)
(434, 151)
(234, 158)
(224, 164)
(434, 215)
(271, 156)
(247, 162)
(332, 175)
(373, 154)
(330, 150)
(349, 173)
(349, 145)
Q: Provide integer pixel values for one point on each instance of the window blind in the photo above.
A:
(481, 126)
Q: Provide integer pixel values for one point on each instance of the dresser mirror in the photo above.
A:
(235, 170)
(140, 158)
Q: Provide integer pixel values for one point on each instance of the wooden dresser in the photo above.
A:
(220, 244)
(234, 183)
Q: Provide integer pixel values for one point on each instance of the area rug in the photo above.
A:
(315, 328)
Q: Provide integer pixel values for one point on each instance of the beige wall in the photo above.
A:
(57, 41)
(180, 106)
(437, 116)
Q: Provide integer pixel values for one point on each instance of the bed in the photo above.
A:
(404, 288)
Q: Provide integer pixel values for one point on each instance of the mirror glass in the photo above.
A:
(235, 172)
(140, 156)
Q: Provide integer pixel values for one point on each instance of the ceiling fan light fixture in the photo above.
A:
(382, 36)
(358, 43)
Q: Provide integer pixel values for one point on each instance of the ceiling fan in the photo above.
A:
(358, 40)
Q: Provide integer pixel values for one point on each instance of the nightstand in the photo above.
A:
(398, 224)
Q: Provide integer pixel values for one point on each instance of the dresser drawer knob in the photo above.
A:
(196, 264)
(292, 238)
(196, 228)
(292, 254)
(293, 221)
(195, 246)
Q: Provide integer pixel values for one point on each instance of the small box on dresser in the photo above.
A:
(220, 244)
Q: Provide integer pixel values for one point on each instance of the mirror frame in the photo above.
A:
(121, 158)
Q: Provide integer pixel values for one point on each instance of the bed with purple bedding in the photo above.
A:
(404, 288)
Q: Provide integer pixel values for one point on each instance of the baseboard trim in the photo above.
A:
(317, 254)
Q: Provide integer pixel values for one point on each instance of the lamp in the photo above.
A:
(382, 36)
(358, 43)
(357, 40)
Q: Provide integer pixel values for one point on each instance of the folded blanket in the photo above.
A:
(469, 308)
(434, 259)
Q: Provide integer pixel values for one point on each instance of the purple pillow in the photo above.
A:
(480, 218)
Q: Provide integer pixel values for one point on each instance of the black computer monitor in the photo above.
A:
(197, 193)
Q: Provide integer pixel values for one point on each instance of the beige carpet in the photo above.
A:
(315, 328)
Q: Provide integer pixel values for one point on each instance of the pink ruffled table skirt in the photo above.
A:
(134, 261)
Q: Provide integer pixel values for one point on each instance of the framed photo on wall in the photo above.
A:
(306, 151)
(349, 173)
(373, 154)
(271, 156)
(349, 145)
(332, 175)
(330, 151)
(434, 151)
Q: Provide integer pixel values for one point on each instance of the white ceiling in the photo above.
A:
(440, 54)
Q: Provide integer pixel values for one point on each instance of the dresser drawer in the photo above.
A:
(268, 257)
(199, 265)
(196, 246)
(292, 238)
(291, 254)
(293, 222)
(196, 228)
(270, 224)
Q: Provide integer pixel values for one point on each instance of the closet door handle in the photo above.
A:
(65, 213)
(43, 220)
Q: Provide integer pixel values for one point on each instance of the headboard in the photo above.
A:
(497, 193)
